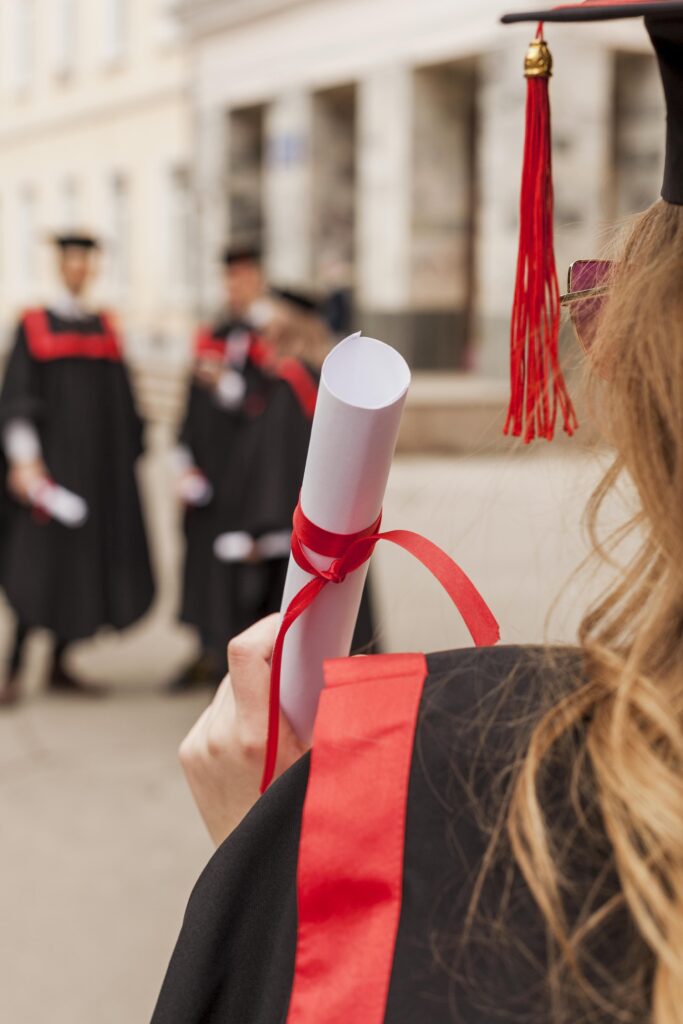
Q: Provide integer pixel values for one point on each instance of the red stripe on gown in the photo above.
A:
(208, 347)
(44, 344)
(350, 874)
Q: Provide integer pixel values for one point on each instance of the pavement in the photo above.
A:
(100, 843)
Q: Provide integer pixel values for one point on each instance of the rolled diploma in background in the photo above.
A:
(362, 392)
(60, 504)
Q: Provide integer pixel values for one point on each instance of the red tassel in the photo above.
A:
(538, 387)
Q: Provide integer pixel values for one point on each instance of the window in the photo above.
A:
(64, 39)
(70, 206)
(23, 26)
(114, 41)
(26, 210)
(119, 232)
(179, 231)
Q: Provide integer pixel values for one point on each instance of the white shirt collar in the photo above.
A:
(69, 307)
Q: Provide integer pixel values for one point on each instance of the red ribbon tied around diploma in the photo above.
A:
(349, 552)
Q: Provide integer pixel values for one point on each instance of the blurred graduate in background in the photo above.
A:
(300, 339)
(228, 393)
(74, 554)
(241, 456)
(256, 528)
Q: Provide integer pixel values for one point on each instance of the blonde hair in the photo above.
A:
(630, 704)
(299, 334)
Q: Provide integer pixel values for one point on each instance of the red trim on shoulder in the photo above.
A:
(350, 874)
(47, 345)
(209, 347)
(206, 346)
(302, 384)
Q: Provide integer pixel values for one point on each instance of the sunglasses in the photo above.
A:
(587, 288)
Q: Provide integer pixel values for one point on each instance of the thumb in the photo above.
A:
(249, 658)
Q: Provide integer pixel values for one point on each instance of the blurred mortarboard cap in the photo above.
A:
(76, 240)
(303, 301)
(539, 392)
(248, 252)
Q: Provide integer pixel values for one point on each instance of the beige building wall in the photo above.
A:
(438, 118)
(95, 132)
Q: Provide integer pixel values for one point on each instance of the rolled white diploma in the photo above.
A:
(363, 389)
(59, 504)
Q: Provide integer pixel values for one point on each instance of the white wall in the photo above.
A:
(81, 118)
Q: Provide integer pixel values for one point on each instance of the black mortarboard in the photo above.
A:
(539, 391)
(76, 240)
(241, 254)
(303, 301)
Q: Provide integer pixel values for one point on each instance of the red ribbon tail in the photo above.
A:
(300, 602)
(476, 614)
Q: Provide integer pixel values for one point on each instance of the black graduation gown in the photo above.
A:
(272, 468)
(74, 581)
(234, 962)
(223, 443)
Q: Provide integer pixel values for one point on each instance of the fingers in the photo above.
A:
(222, 755)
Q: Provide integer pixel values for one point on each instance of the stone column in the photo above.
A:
(443, 214)
(211, 191)
(288, 189)
(385, 134)
(334, 187)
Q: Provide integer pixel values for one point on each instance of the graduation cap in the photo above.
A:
(233, 254)
(76, 240)
(304, 302)
(538, 387)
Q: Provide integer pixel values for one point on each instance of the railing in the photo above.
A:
(160, 391)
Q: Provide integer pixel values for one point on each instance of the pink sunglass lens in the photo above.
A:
(587, 275)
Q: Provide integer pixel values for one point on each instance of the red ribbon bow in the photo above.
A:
(349, 552)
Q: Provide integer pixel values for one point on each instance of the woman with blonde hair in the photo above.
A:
(481, 835)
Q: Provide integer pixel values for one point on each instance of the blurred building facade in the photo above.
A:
(370, 145)
(377, 145)
(95, 132)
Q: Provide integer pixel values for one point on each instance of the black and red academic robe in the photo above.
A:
(270, 464)
(68, 378)
(253, 455)
(345, 894)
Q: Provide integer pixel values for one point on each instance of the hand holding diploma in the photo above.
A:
(363, 389)
(336, 527)
(337, 524)
(222, 755)
(58, 503)
(24, 476)
(31, 484)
